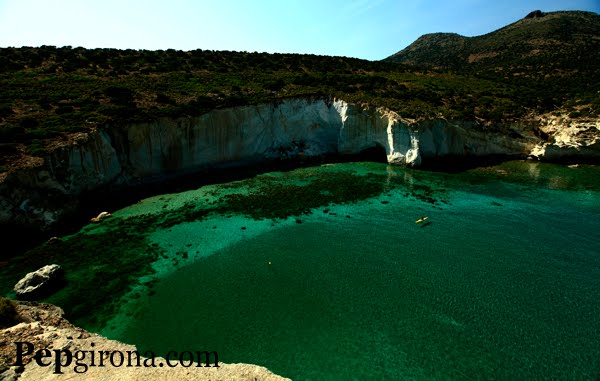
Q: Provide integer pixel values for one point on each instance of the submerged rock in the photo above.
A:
(54, 241)
(40, 283)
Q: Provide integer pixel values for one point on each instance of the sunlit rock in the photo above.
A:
(40, 283)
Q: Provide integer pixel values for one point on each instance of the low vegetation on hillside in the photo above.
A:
(49, 92)
(553, 56)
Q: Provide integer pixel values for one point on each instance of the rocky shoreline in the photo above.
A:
(41, 194)
(44, 326)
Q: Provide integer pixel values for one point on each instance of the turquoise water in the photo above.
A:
(502, 281)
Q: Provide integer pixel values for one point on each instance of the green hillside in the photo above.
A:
(553, 56)
(539, 45)
(533, 66)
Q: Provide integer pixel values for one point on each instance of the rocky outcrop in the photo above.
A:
(122, 156)
(44, 327)
(535, 14)
(40, 283)
(568, 140)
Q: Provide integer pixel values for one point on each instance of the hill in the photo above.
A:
(50, 92)
(539, 45)
(552, 57)
(534, 66)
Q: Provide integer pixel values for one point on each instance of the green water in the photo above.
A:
(502, 281)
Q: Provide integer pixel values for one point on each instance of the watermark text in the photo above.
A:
(82, 360)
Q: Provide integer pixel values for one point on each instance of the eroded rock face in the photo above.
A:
(568, 140)
(40, 283)
(227, 137)
(120, 157)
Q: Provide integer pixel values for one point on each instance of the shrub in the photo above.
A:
(10, 133)
(8, 313)
(275, 85)
(36, 148)
(44, 104)
(29, 122)
(164, 99)
(575, 114)
(119, 95)
(5, 110)
(203, 101)
(64, 110)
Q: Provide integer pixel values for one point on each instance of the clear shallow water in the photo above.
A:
(503, 282)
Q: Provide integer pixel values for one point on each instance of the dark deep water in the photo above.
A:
(501, 281)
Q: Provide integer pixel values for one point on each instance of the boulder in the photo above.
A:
(40, 283)
(100, 217)
(54, 241)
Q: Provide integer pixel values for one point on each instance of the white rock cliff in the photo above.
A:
(121, 156)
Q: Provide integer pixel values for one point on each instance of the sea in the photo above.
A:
(353, 271)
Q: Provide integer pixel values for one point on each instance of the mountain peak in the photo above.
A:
(539, 44)
(535, 14)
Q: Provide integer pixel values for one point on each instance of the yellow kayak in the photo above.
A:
(421, 220)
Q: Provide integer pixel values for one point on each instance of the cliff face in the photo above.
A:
(118, 157)
(569, 139)
(227, 137)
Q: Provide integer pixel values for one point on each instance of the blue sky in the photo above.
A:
(369, 29)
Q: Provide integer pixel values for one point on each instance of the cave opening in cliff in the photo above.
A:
(375, 154)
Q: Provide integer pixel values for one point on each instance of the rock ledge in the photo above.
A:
(44, 326)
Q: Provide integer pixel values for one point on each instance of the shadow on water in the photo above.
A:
(457, 164)
(19, 239)
(119, 252)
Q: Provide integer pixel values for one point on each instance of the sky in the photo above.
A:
(368, 29)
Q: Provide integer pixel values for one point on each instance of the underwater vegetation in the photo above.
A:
(104, 262)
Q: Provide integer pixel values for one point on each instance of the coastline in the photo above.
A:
(113, 167)
(44, 326)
